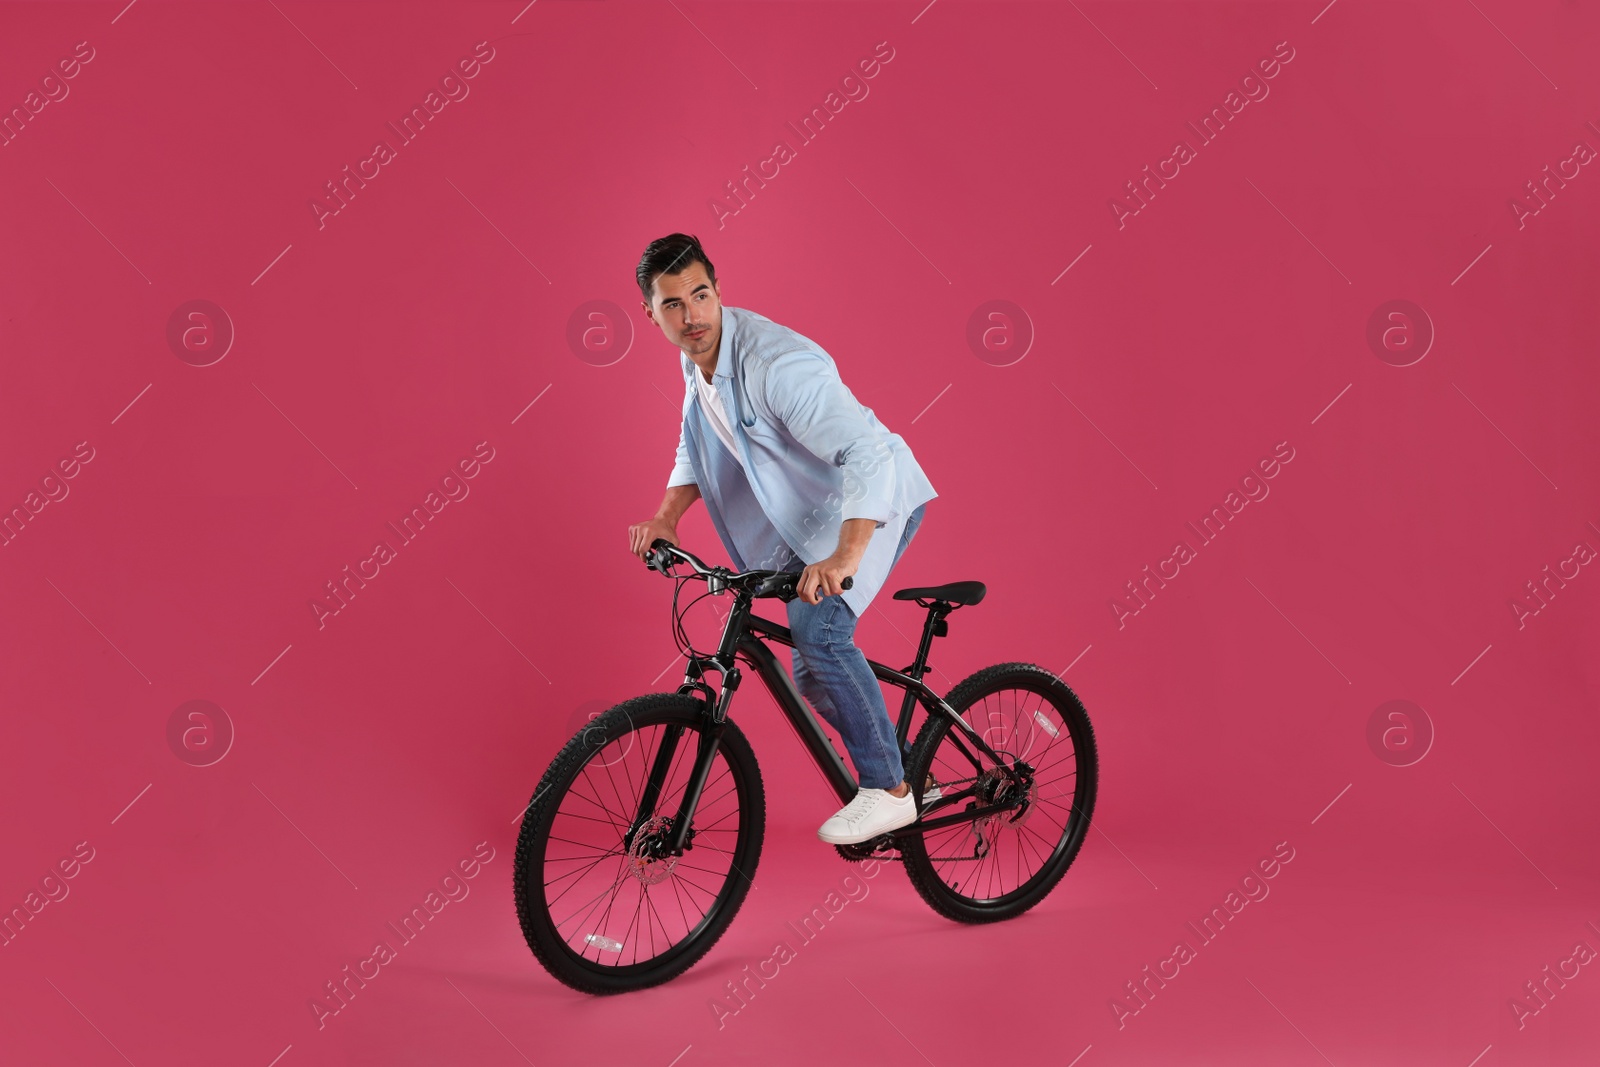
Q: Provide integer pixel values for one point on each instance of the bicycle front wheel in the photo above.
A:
(602, 906)
(999, 866)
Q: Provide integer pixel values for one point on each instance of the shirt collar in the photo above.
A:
(725, 347)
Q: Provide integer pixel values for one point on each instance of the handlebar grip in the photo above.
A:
(656, 557)
(846, 584)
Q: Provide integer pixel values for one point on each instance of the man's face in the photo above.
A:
(688, 308)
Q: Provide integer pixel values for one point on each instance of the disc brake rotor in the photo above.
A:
(642, 862)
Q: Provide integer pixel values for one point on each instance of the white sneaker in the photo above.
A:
(872, 812)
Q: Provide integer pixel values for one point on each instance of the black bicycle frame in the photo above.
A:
(742, 638)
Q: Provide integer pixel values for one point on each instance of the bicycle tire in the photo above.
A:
(921, 868)
(637, 715)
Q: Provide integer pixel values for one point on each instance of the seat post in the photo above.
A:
(933, 626)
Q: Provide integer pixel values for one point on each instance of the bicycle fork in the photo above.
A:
(680, 836)
(678, 839)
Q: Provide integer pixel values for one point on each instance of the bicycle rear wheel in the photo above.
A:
(600, 906)
(999, 866)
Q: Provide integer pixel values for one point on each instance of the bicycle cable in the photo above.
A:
(680, 635)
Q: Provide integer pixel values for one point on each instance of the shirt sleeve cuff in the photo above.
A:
(865, 510)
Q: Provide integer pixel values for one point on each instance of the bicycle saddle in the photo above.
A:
(954, 592)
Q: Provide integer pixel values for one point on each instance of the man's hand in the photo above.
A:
(641, 535)
(822, 579)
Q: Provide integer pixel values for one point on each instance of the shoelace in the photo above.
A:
(857, 808)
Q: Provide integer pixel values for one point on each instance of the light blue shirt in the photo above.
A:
(813, 456)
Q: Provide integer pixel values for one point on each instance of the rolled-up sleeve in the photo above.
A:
(682, 470)
(806, 394)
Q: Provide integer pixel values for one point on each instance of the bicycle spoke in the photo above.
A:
(678, 895)
(588, 818)
(680, 866)
(704, 803)
(626, 939)
(570, 874)
(1018, 853)
(1059, 778)
(597, 802)
(1042, 841)
(731, 862)
(657, 923)
(696, 885)
(624, 808)
(591, 901)
(716, 828)
(585, 844)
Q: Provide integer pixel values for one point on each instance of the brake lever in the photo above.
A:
(657, 558)
(770, 586)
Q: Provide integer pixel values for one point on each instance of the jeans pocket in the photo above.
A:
(834, 617)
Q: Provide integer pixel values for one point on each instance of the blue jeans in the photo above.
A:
(832, 673)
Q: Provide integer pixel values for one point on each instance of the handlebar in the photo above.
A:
(760, 583)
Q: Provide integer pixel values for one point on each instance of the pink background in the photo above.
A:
(371, 354)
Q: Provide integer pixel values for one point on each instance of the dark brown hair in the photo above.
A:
(671, 254)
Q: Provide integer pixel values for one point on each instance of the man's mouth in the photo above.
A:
(697, 334)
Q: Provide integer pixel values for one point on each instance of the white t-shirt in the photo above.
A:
(711, 403)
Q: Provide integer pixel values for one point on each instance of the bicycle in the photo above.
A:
(627, 872)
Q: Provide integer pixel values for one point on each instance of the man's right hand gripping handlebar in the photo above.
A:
(643, 536)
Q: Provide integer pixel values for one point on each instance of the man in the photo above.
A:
(797, 475)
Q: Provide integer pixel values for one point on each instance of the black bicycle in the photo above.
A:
(643, 836)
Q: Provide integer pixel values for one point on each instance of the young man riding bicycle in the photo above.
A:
(796, 475)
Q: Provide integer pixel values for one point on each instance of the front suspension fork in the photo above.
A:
(709, 740)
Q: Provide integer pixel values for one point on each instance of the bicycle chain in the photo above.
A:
(862, 852)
